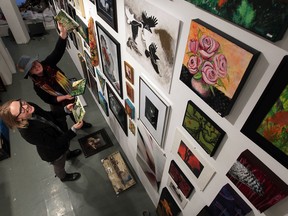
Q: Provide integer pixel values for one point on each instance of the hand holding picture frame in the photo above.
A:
(266, 125)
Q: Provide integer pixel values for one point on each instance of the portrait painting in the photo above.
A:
(110, 58)
(129, 72)
(167, 205)
(95, 142)
(154, 112)
(215, 66)
(151, 41)
(261, 186)
(150, 157)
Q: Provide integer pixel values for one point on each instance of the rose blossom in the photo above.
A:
(209, 74)
(220, 64)
(208, 46)
(193, 64)
(193, 46)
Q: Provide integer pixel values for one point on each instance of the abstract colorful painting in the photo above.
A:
(267, 125)
(228, 201)
(257, 182)
(150, 156)
(191, 162)
(206, 132)
(266, 18)
(216, 66)
(167, 205)
(151, 41)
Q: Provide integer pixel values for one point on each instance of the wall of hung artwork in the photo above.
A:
(179, 85)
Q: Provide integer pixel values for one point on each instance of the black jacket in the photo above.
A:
(50, 142)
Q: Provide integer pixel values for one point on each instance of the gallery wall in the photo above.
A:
(176, 98)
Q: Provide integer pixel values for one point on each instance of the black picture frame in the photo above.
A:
(202, 128)
(270, 105)
(117, 109)
(108, 12)
(110, 58)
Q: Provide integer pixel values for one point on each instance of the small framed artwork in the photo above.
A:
(84, 69)
(257, 182)
(117, 109)
(79, 5)
(110, 58)
(129, 108)
(176, 193)
(266, 125)
(79, 42)
(103, 103)
(82, 29)
(129, 72)
(180, 179)
(89, 63)
(130, 91)
(191, 161)
(166, 201)
(95, 142)
(102, 80)
(78, 110)
(228, 201)
(94, 87)
(216, 66)
(107, 10)
(205, 131)
(132, 127)
(154, 112)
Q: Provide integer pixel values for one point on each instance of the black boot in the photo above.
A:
(71, 177)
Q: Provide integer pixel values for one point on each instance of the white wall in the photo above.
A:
(234, 142)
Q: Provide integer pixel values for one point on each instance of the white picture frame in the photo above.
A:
(207, 171)
(153, 112)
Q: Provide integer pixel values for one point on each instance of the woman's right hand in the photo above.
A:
(64, 97)
(78, 125)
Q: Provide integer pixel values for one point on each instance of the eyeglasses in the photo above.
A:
(21, 108)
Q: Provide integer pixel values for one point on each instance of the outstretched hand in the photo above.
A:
(70, 106)
(62, 29)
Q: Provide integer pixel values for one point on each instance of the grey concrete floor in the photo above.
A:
(27, 184)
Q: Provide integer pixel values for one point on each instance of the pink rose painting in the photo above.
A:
(215, 65)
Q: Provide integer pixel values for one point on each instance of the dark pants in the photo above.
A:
(59, 165)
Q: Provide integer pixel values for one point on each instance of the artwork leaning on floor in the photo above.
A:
(154, 112)
(205, 131)
(267, 125)
(151, 41)
(216, 66)
(257, 182)
(268, 19)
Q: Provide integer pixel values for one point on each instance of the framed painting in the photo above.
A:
(153, 112)
(71, 11)
(167, 205)
(117, 109)
(257, 182)
(228, 201)
(94, 87)
(150, 157)
(130, 91)
(103, 103)
(191, 161)
(107, 10)
(129, 108)
(202, 128)
(82, 29)
(95, 142)
(181, 181)
(79, 5)
(216, 66)
(89, 63)
(268, 19)
(267, 124)
(102, 80)
(79, 42)
(84, 69)
(110, 58)
(151, 41)
(176, 193)
(132, 127)
(129, 72)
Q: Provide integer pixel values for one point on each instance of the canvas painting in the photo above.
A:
(103, 103)
(176, 193)
(129, 72)
(205, 131)
(216, 66)
(257, 182)
(268, 19)
(150, 157)
(228, 201)
(95, 142)
(189, 159)
(151, 41)
(110, 58)
(154, 112)
(78, 110)
(101, 80)
(82, 29)
(67, 21)
(167, 205)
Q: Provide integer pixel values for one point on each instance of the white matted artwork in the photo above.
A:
(191, 161)
(176, 193)
(153, 113)
(151, 38)
(150, 156)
